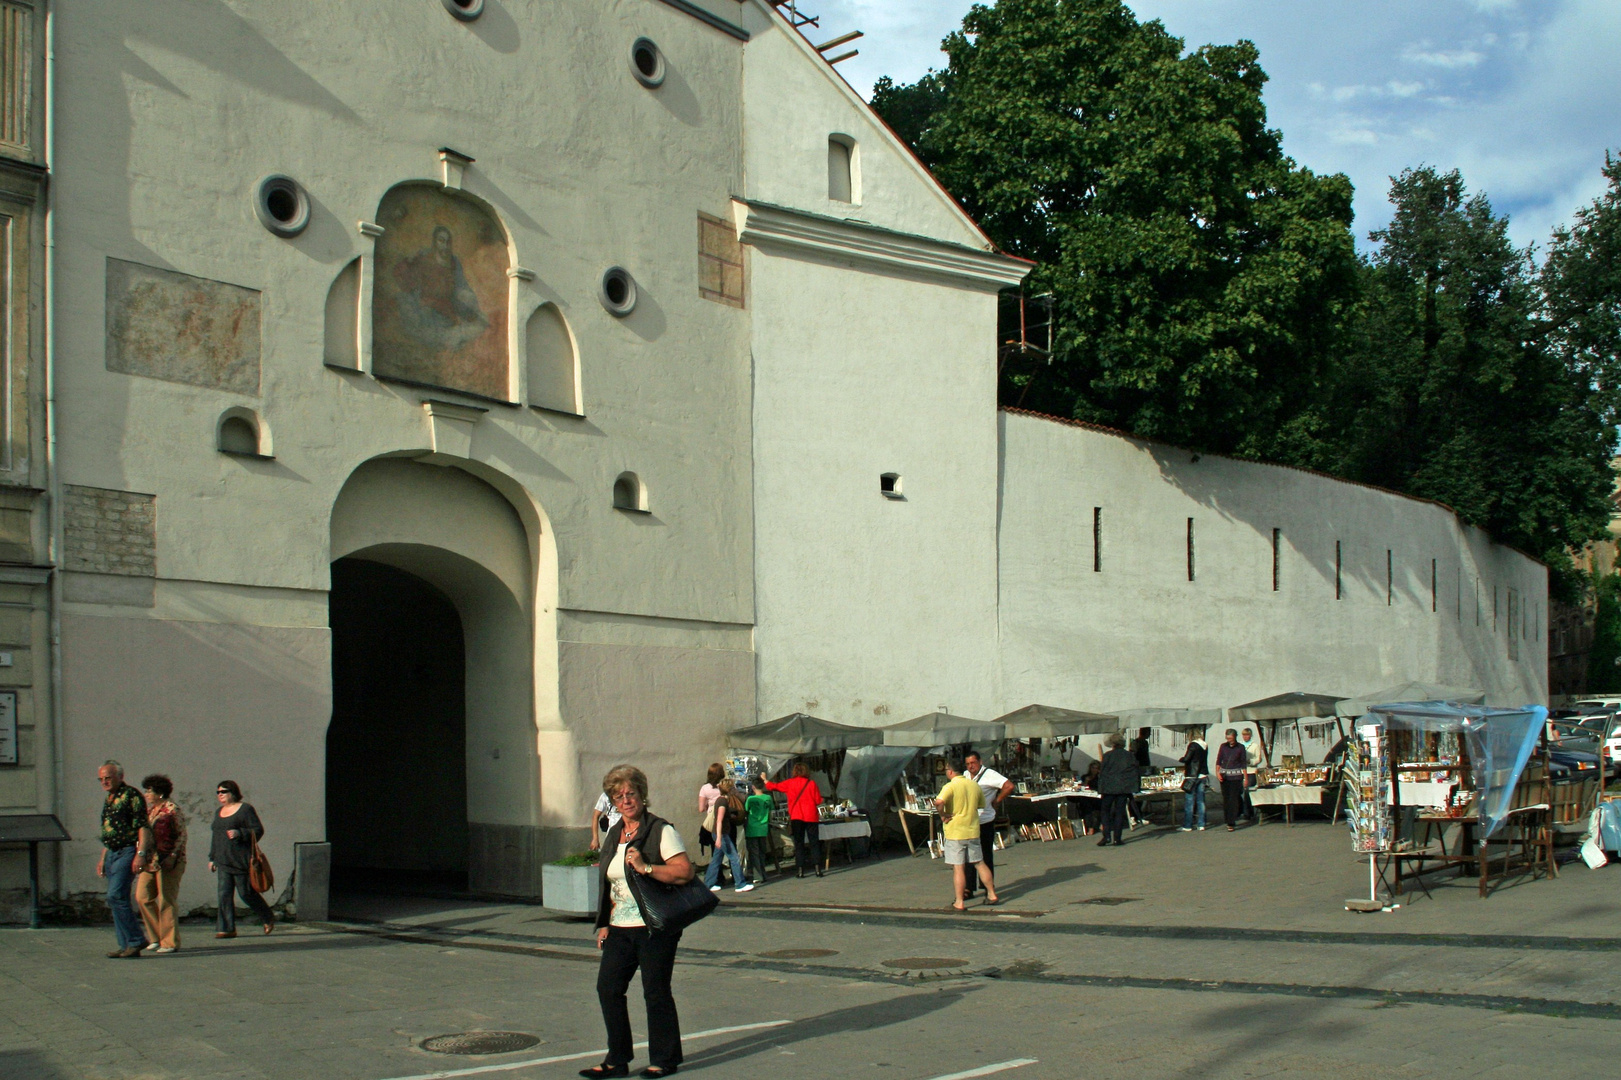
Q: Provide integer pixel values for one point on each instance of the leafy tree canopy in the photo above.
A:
(1445, 388)
(1581, 287)
(1201, 278)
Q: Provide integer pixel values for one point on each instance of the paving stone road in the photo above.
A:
(1231, 956)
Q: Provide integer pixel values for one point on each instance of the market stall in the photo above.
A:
(767, 748)
(1165, 784)
(1438, 784)
(930, 736)
(1293, 783)
(1045, 794)
(1037, 728)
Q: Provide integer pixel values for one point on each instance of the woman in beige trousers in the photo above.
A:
(157, 887)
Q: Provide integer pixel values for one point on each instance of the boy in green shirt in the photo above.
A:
(757, 828)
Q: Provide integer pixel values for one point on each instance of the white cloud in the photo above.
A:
(1458, 58)
(1354, 136)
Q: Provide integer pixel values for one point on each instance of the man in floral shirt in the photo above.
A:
(126, 840)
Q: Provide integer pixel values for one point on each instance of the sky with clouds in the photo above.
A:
(1520, 95)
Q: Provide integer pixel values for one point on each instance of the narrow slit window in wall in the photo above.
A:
(1190, 549)
(1494, 609)
(1477, 601)
(1460, 594)
(1390, 578)
(1339, 588)
(841, 169)
(1433, 585)
(1097, 539)
(1277, 537)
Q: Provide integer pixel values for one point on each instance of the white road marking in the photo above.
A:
(986, 1070)
(513, 1065)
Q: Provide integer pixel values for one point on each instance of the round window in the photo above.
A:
(646, 62)
(465, 10)
(281, 205)
(618, 291)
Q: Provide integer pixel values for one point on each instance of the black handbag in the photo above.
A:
(669, 909)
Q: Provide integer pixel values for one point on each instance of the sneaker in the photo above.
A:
(745, 888)
(1201, 828)
(164, 949)
(153, 947)
(714, 888)
(1184, 828)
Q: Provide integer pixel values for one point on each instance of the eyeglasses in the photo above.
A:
(627, 796)
(222, 791)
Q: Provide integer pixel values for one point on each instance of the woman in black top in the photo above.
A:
(1195, 775)
(236, 829)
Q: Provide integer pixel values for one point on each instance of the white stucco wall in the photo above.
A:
(1139, 633)
(872, 610)
(168, 113)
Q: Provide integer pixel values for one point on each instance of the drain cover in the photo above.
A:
(798, 954)
(480, 1042)
(1109, 901)
(925, 963)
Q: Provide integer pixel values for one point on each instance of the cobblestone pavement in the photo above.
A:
(1217, 955)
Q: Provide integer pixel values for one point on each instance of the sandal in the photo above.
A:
(605, 1069)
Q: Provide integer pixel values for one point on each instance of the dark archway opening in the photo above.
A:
(396, 764)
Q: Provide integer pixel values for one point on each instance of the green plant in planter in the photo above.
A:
(583, 858)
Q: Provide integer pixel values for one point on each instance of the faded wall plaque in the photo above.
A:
(439, 301)
(179, 328)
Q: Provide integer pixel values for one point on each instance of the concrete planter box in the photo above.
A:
(569, 888)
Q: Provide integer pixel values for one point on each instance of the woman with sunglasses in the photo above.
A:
(644, 844)
(236, 829)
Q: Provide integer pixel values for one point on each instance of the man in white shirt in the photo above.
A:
(994, 787)
(1252, 751)
(603, 811)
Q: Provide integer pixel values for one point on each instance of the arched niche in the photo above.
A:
(553, 362)
(342, 344)
(440, 292)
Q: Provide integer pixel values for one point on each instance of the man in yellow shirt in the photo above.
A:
(959, 802)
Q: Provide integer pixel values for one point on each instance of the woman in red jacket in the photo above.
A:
(803, 799)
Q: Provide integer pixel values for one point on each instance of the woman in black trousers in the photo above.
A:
(647, 845)
(236, 829)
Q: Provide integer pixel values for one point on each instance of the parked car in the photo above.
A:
(1568, 766)
(1579, 733)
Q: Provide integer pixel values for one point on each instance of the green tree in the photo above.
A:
(1201, 278)
(1604, 659)
(1447, 390)
(1581, 287)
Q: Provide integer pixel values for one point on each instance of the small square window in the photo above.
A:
(889, 485)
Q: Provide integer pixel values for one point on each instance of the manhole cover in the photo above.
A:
(480, 1042)
(925, 963)
(1109, 901)
(798, 954)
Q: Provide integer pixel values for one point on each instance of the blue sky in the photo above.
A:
(1523, 96)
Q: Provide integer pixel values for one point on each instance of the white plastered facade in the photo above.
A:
(769, 573)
